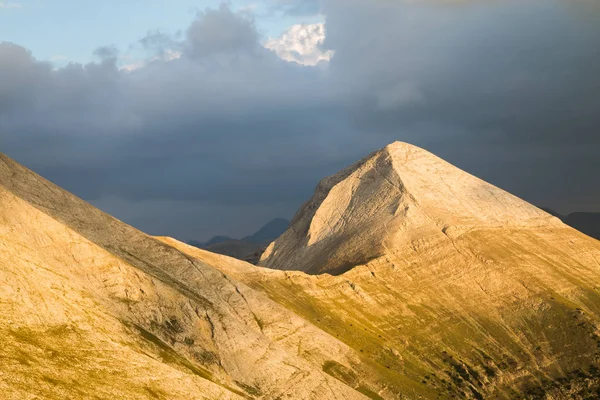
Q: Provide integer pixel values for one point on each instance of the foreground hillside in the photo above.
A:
(92, 308)
(420, 281)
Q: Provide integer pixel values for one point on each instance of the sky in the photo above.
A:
(70, 31)
(194, 119)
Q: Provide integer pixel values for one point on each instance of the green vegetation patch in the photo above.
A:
(170, 356)
(349, 377)
(251, 390)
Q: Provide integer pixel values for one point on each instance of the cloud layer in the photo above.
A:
(214, 120)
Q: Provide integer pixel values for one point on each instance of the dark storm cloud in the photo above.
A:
(218, 31)
(228, 123)
(506, 90)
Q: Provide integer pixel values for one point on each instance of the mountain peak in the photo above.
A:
(392, 198)
(401, 146)
(270, 231)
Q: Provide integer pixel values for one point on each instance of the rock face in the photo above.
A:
(452, 289)
(388, 201)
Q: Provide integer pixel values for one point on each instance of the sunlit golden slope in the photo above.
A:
(91, 307)
(452, 287)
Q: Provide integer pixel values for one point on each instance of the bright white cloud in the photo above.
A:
(302, 44)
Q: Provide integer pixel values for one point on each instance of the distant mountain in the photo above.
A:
(217, 239)
(213, 240)
(585, 222)
(235, 248)
(552, 212)
(271, 231)
(195, 243)
(248, 248)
